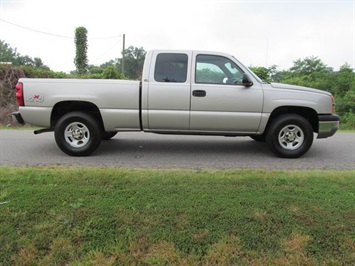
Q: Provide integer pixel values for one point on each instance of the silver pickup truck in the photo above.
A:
(181, 92)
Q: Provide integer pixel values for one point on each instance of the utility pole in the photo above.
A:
(123, 49)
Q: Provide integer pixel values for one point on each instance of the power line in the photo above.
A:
(109, 49)
(38, 31)
(58, 35)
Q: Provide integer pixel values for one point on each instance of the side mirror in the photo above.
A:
(247, 82)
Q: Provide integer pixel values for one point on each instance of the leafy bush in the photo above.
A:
(346, 109)
(109, 72)
(347, 103)
(31, 72)
(348, 121)
(8, 80)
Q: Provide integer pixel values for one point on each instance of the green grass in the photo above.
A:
(93, 216)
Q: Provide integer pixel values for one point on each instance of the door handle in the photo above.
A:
(199, 93)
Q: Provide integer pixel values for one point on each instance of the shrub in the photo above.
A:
(31, 72)
(8, 79)
(348, 121)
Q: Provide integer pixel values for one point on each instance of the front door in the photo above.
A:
(219, 101)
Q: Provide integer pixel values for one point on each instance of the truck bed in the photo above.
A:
(118, 100)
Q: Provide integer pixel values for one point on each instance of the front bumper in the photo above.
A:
(328, 125)
(16, 117)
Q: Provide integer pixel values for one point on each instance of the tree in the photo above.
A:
(309, 72)
(266, 74)
(261, 72)
(81, 60)
(343, 81)
(309, 66)
(113, 62)
(38, 63)
(134, 60)
(8, 54)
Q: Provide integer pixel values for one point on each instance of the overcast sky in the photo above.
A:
(259, 33)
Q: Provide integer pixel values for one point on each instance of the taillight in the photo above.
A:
(19, 94)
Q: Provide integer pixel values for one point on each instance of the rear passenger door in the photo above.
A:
(169, 91)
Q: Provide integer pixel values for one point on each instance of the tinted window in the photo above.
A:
(171, 68)
(217, 70)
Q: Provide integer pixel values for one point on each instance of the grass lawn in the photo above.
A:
(94, 216)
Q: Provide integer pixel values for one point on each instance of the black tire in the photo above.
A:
(107, 135)
(289, 136)
(78, 134)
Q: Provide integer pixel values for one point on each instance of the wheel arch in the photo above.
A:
(62, 108)
(306, 112)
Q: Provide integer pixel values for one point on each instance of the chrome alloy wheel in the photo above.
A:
(77, 134)
(291, 137)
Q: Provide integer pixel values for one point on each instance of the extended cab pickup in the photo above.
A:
(181, 92)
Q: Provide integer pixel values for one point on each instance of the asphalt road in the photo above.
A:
(143, 150)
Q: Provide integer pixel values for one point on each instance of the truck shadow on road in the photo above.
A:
(183, 147)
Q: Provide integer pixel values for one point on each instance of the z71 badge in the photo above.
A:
(36, 99)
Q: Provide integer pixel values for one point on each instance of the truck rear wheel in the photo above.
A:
(290, 136)
(77, 134)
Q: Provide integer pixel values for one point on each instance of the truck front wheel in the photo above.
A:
(290, 136)
(77, 134)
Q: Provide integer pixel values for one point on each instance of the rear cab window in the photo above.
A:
(171, 67)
